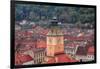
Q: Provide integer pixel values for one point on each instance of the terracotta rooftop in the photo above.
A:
(62, 58)
(72, 44)
(22, 58)
(41, 44)
(51, 60)
(77, 38)
(91, 50)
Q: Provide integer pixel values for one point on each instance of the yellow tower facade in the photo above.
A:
(55, 41)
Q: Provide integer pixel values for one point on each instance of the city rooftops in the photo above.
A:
(61, 58)
(22, 58)
(91, 50)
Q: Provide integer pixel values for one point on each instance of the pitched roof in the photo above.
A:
(90, 50)
(72, 44)
(51, 60)
(78, 38)
(41, 44)
(62, 58)
(22, 58)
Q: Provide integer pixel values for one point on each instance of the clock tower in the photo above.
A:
(55, 39)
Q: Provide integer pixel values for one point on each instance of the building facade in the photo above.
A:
(55, 40)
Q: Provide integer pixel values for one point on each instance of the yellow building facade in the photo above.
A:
(55, 41)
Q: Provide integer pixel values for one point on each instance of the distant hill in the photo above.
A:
(65, 14)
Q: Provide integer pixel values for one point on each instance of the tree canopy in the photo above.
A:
(65, 14)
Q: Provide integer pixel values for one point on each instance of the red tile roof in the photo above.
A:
(51, 60)
(22, 58)
(91, 50)
(72, 44)
(41, 44)
(62, 58)
(73, 60)
(78, 38)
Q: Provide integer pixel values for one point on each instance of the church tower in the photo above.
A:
(55, 39)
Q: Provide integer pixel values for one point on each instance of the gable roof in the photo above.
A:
(61, 58)
(22, 58)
